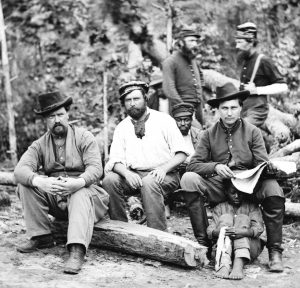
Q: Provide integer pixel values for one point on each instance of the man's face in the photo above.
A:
(135, 104)
(234, 197)
(190, 46)
(243, 48)
(57, 122)
(184, 124)
(230, 112)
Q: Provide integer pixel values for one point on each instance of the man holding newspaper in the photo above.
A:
(229, 146)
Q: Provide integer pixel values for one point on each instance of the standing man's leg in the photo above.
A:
(153, 195)
(195, 190)
(272, 200)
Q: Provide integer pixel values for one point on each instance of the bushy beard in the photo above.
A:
(242, 56)
(136, 113)
(59, 130)
(189, 53)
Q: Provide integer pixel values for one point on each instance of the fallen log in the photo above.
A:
(292, 209)
(141, 240)
(287, 150)
(7, 178)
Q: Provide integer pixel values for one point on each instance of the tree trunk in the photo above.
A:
(287, 150)
(7, 178)
(143, 241)
(8, 92)
(292, 209)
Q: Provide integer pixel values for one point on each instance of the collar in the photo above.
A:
(233, 128)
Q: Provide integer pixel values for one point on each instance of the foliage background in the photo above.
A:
(67, 44)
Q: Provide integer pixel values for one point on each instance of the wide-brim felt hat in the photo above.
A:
(52, 101)
(183, 109)
(227, 92)
(131, 86)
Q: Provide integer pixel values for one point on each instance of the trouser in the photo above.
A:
(84, 209)
(152, 194)
(248, 248)
(267, 192)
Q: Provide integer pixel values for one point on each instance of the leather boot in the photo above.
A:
(273, 213)
(37, 242)
(275, 261)
(76, 259)
(198, 216)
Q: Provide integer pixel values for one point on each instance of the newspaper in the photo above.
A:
(245, 181)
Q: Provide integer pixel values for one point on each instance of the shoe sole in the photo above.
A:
(35, 249)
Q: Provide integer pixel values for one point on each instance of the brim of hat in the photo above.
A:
(54, 107)
(241, 95)
(146, 89)
(183, 113)
(155, 82)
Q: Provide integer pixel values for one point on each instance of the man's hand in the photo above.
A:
(237, 233)
(271, 168)
(46, 184)
(159, 173)
(251, 88)
(224, 171)
(68, 186)
(133, 179)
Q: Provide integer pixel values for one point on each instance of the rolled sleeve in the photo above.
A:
(28, 165)
(117, 151)
(175, 139)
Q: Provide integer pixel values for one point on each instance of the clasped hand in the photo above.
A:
(58, 186)
(237, 233)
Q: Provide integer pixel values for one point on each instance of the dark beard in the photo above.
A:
(136, 113)
(242, 56)
(59, 132)
(189, 53)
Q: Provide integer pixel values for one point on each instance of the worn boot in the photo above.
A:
(273, 212)
(76, 259)
(198, 216)
(275, 261)
(37, 242)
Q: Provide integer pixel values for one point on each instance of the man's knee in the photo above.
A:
(225, 220)
(190, 179)
(269, 188)
(242, 221)
(110, 181)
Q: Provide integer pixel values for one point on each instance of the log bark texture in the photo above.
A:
(292, 209)
(287, 150)
(7, 178)
(140, 240)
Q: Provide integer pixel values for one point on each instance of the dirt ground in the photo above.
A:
(111, 269)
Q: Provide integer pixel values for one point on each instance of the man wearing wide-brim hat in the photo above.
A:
(71, 165)
(147, 148)
(259, 75)
(230, 145)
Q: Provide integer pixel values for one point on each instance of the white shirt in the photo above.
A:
(189, 144)
(161, 141)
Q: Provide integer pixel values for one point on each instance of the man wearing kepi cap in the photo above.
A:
(259, 75)
(230, 145)
(65, 187)
(146, 149)
(183, 115)
(183, 80)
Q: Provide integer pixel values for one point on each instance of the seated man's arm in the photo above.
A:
(28, 165)
(133, 179)
(258, 148)
(169, 82)
(201, 162)
(91, 159)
